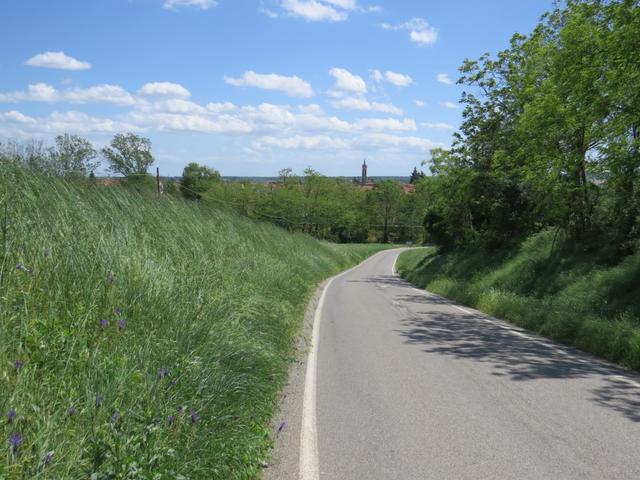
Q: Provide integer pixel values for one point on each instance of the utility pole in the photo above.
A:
(158, 178)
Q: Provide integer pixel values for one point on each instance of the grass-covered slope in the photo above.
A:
(143, 337)
(589, 298)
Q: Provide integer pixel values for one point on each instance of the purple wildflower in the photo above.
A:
(18, 364)
(46, 460)
(19, 266)
(170, 420)
(99, 400)
(163, 372)
(117, 311)
(115, 417)
(15, 440)
(194, 417)
(72, 411)
(104, 323)
(122, 323)
(11, 415)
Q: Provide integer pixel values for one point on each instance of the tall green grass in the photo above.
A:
(582, 295)
(143, 337)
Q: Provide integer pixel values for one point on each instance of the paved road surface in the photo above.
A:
(411, 386)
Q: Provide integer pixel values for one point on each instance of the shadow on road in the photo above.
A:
(466, 336)
(390, 280)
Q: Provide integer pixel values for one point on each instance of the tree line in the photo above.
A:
(328, 208)
(73, 156)
(550, 135)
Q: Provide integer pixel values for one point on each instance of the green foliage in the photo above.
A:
(141, 183)
(198, 179)
(385, 203)
(416, 175)
(550, 134)
(127, 313)
(330, 209)
(73, 156)
(129, 154)
(578, 295)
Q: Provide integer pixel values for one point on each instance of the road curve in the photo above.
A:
(409, 385)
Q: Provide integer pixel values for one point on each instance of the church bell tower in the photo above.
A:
(364, 179)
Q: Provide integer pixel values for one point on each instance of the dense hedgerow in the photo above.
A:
(581, 295)
(143, 336)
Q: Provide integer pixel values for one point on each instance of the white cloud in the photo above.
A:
(292, 86)
(81, 122)
(314, 10)
(396, 141)
(313, 109)
(99, 94)
(394, 78)
(221, 107)
(14, 116)
(177, 122)
(345, 4)
(173, 105)
(420, 103)
(263, 128)
(359, 103)
(203, 4)
(42, 92)
(451, 105)
(302, 142)
(57, 60)
(164, 89)
(420, 31)
(347, 81)
(382, 124)
(15, 124)
(268, 12)
(440, 125)
(269, 113)
(444, 78)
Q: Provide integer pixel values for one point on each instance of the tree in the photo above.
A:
(285, 174)
(385, 200)
(416, 175)
(129, 154)
(73, 155)
(197, 180)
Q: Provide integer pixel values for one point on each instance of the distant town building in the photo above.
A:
(369, 184)
(364, 179)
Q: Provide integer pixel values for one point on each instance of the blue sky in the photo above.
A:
(250, 86)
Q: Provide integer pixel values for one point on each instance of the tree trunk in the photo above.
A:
(385, 235)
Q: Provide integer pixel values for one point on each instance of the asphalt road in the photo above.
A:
(402, 384)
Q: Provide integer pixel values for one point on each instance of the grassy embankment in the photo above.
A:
(143, 337)
(586, 298)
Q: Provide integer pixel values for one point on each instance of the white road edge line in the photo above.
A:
(309, 466)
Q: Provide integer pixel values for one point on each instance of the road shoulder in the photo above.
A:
(287, 421)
